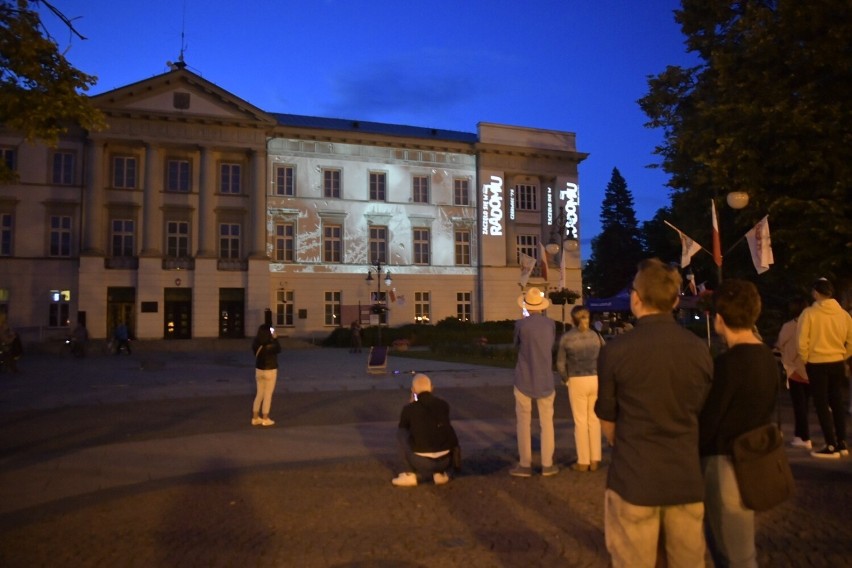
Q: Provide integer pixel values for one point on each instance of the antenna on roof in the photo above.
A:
(181, 64)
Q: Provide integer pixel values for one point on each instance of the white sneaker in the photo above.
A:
(267, 422)
(256, 421)
(440, 478)
(799, 443)
(405, 479)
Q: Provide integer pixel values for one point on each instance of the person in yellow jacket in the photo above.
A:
(825, 342)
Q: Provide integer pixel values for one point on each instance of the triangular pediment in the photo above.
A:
(182, 95)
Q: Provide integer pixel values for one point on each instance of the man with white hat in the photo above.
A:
(534, 339)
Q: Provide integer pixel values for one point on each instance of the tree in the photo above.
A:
(767, 111)
(617, 249)
(41, 93)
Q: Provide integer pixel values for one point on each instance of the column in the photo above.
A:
(206, 198)
(93, 212)
(257, 205)
(152, 229)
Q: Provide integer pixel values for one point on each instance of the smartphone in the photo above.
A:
(414, 394)
(271, 330)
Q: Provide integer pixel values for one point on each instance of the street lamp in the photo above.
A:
(378, 308)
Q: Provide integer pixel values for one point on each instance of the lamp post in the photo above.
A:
(378, 308)
(735, 200)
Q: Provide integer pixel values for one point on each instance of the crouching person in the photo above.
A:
(426, 438)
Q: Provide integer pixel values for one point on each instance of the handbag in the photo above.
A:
(761, 468)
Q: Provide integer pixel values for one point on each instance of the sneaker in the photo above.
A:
(799, 443)
(440, 478)
(843, 449)
(405, 479)
(521, 471)
(267, 422)
(256, 421)
(829, 452)
(549, 470)
(580, 467)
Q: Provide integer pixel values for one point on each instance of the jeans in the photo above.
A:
(826, 388)
(265, 379)
(423, 467)
(633, 533)
(800, 395)
(583, 392)
(523, 415)
(728, 524)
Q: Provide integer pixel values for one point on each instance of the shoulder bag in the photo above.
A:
(761, 467)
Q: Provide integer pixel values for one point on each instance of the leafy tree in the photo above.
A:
(41, 93)
(767, 110)
(658, 239)
(617, 249)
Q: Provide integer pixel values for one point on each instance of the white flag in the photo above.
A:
(760, 245)
(527, 264)
(688, 248)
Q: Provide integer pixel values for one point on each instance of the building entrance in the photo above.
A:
(121, 307)
(177, 318)
(231, 312)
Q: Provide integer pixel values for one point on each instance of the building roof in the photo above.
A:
(347, 125)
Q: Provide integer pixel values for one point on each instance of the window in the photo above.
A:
(331, 183)
(7, 156)
(229, 240)
(378, 186)
(420, 189)
(124, 172)
(462, 240)
(5, 234)
(285, 181)
(178, 176)
(229, 178)
(60, 235)
(63, 168)
(284, 242)
(284, 308)
(58, 312)
(332, 243)
(461, 193)
(526, 197)
(177, 239)
(121, 237)
(463, 311)
(332, 308)
(528, 245)
(421, 246)
(422, 308)
(378, 244)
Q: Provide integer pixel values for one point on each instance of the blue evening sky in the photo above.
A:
(573, 65)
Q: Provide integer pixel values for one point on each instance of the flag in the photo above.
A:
(717, 243)
(760, 245)
(542, 254)
(690, 284)
(527, 263)
(562, 268)
(688, 247)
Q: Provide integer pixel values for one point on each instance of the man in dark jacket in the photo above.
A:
(426, 437)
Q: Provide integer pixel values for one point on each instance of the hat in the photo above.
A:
(533, 300)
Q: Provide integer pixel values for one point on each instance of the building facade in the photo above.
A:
(195, 212)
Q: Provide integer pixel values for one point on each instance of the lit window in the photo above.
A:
(59, 309)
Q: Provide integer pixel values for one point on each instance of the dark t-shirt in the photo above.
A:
(428, 423)
(745, 383)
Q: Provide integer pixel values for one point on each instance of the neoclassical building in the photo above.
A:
(195, 212)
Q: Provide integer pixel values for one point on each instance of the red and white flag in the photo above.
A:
(760, 246)
(717, 243)
(527, 264)
(542, 255)
(688, 247)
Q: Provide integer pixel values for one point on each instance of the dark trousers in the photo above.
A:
(800, 395)
(827, 389)
(422, 466)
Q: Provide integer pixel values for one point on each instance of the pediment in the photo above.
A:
(183, 95)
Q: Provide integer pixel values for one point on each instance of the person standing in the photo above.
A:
(577, 364)
(355, 337)
(534, 338)
(652, 383)
(797, 377)
(266, 349)
(122, 338)
(825, 342)
(425, 435)
(742, 398)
